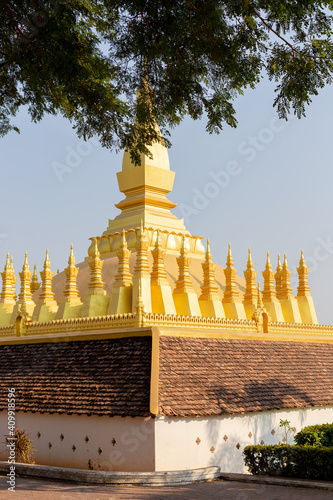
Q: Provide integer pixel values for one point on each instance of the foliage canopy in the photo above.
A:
(85, 59)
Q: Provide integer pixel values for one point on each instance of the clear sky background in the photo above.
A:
(275, 189)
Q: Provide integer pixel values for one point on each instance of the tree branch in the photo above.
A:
(164, 54)
(10, 14)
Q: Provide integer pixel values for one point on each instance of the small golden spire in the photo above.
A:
(26, 265)
(71, 272)
(230, 261)
(286, 290)
(260, 304)
(123, 276)
(7, 295)
(208, 252)
(209, 287)
(96, 265)
(278, 278)
(71, 260)
(250, 296)
(249, 260)
(183, 283)
(14, 278)
(46, 294)
(25, 277)
(303, 289)
(34, 281)
(269, 293)
(231, 291)
(141, 265)
(158, 275)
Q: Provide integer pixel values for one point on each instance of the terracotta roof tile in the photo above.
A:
(100, 377)
(220, 376)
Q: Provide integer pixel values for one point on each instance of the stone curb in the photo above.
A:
(168, 478)
(278, 481)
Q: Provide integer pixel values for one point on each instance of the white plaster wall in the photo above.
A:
(177, 449)
(133, 449)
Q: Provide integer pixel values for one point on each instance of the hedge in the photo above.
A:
(315, 435)
(306, 462)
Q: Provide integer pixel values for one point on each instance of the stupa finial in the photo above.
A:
(260, 302)
(209, 289)
(183, 283)
(231, 291)
(25, 277)
(230, 261)
(141, 270)
(123, 239)
(286, 290)
(7, 295)
(71, 272)
(35, 284)
(208, 251)
(46, 295)
(249, 260)
(14, 277)
(269, 293)
(268, 262)
(142, 245)
(123, 276)
(71, 260)
(158, 275)
(250, 296)
(278, 278)
(96, 265)
(26, 265)
(303, 284)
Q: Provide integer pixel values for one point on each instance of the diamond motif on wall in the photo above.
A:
(262, 442)
(237, 446)
(212, 449)
(198, 440)
(250, 434)
(272, 432)
(225, 437)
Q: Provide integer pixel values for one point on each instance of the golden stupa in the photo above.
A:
(147, 269)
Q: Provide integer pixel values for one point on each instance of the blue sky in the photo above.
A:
(267, 184)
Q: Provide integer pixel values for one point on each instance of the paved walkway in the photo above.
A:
(40, 489)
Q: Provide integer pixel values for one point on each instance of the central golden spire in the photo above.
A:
(145, 187)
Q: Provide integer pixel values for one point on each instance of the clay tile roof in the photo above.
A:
(100, 377)
(223, 376)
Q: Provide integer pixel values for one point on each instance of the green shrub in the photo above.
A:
(315, 435)
(306, 462)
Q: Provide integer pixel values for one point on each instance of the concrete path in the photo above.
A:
(40, 489)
